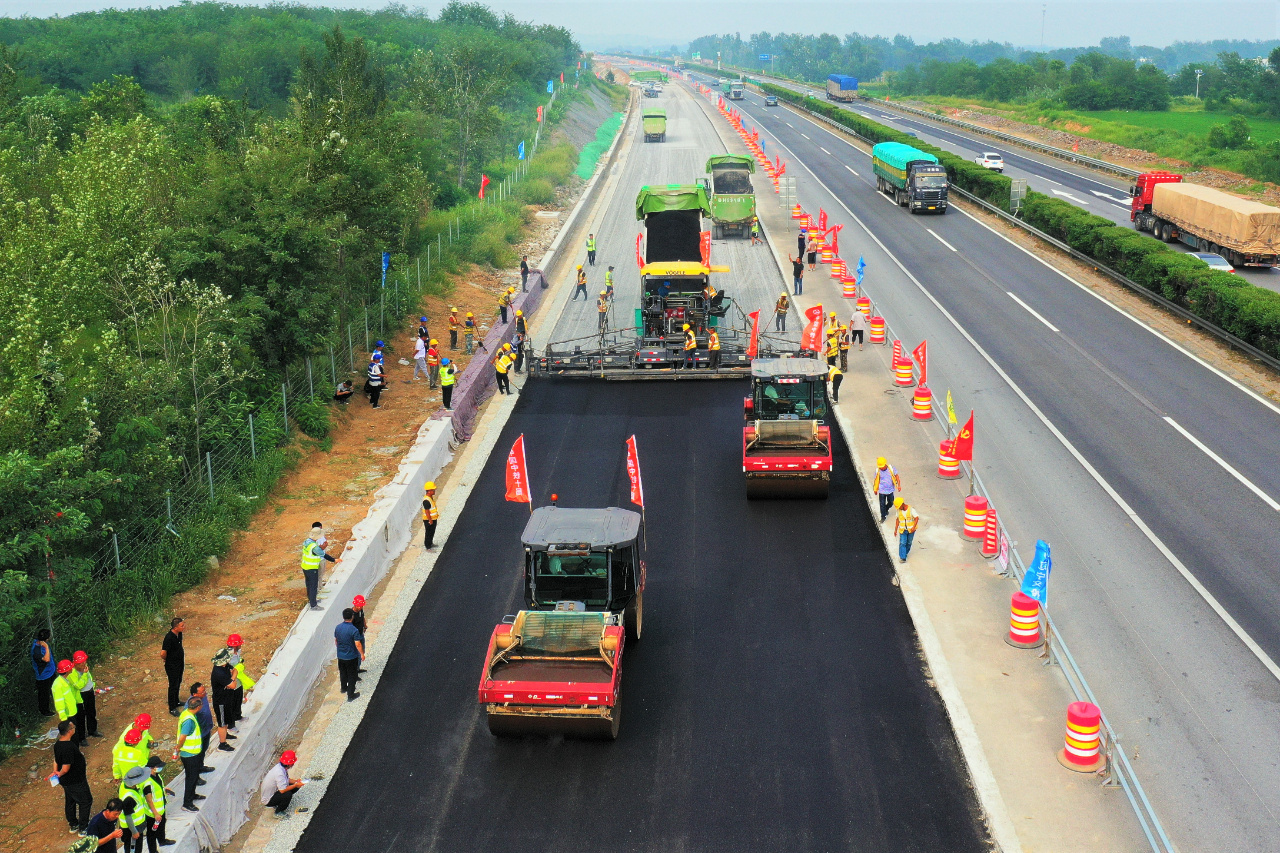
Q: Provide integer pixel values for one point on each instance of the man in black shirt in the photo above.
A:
(797, 273)
(103, 826)
(220, 680)
(68, 769)
(175, 662)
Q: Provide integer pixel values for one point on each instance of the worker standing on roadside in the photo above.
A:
(581, 286)
(46, 670)
(802, 241)
(833, 322)
(797, 274)
(220, 679)
(857, 328)
(423, 331)
(420, 358)
(453, 328)
(175, 662)
(188, 749)
(905, 527)
(204, 716)
(469, 334)
(755, 231)
(82, 680)
(885, 482)
(312, 555)
(141, 813)
(780, 313)
(811, 250)
(524, 273)
(522, 325)
(835, 377)
(374, 379)
(504, 302)
(602, 308)
(66, 700)
(240, 681)
(69, 774)
(591, 249)
(842, 334)
(608, 283)
(350, 651)
(447, 377)
(517, 347)
(690, 348)
(713, 346)
(129, 752)
(155, 787)
(433, 363)
(430, 515)
(501, 364)
(833, 348)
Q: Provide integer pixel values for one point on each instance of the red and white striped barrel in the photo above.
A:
(897, 351)
(1024, 622)
(1082, 750)
(975, 516)
(948, 466)
(991, 536)
(902, 375)
(837, 268)
(877, 329)
(922, 403)
(826, 256)
(796, 212)
(848, 287)
(864, 305)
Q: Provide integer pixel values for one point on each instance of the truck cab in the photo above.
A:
(736, 89)
(1143, 190)
(786, 443)
(733, 198)
(913, 178)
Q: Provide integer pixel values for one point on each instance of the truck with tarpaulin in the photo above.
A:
(733, 199)
(1245, 232)
(786, 442)
(841, 87)
(654, 124)
(913, 178)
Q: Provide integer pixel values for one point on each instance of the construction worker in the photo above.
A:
(155, 787)
(501, 364)
(780, 310)
(128, 753)
(82, 680)
(140, 815)
(708, 293)
(46, 670)
(591, 249)
(66, 699)
(885, 482)
(522, 325)
(141, 724)
(602, 308)
(833, 322)
(833, 348)
(430, 514)
(241, 683)
(221, 680)
(377, 354)
(454, 323)
(420, 358)
(188, 750)
(835, 377)
(842, 335)
(517, 347)
(905, 527)
(375, 378)
(690, 348)
(469, 334)
(581, 286)
(423, 331)
(277, 789)
(504, 302)
(433, 362)
(608, 282)
(755, 231)
(312, 555)
(713, 344)
(448, 374)
(524, 273)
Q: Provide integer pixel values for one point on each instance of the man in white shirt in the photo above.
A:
(420, 357)
(277, 788)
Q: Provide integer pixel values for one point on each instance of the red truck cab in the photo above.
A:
(1143, 189)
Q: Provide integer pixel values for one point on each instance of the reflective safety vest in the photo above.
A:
(582, 278)
(310, 559)
(608, 279)
(713, 340)
(66, 699)
(591, 244)
(157, 794)
(81, 681)
(124, 758)
(454, 322)
(430, 511)
(503, 362)
(832, 347)
(907, 519)
(139, 814)
(833, 323)
(189, 745)
(602, 305)
(783, 305)
(833, 373)
(690, 342)
(447, 374)
(844, 339)
(504, 299)
(433, 357)
(374, 373)
(143, 744)
(245, 680)
(521, 326)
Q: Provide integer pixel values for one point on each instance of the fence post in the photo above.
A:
(253, 440)
(419, 264)
(311, 385)
(208, 464)
(115, 546)
(168, 501)
(366, 328)
(351, 349)
(439, 245)
(382, 314)
(333, 366)
(284, 403)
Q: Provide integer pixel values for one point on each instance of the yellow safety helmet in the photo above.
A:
(686, 327)
(454, 310)
(833, 313)
(469, 314)
(579, 266)
(881, 462)
(604, 293)
(434, 342)
(898, 502)
(430, 486)
(519, 313)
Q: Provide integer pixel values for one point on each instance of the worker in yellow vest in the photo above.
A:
(591, 249)
(448, 375)
(312, 555)
(141, 815)
(905, 526)
(241, 683)
(833, 348)
(842, 335)
(155, 787)
(433, 363)
(82, 680)
(189, 751)
(780, 313)
(832, 322)
(128, 754)
(66, 700)
(430, 514)
(602, 308)
(835, 377)
(142, 723)
(608, 282)
(504, 302)
(713, 344)
(690, 348)
(454, 324)
(502, 369)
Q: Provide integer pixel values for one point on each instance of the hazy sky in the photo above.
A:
(604, 23)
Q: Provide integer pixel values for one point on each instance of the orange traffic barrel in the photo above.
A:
(948, 466)
(827, 255)
(864, 305)
(922, 402)
(877, 330)
(975, 516)
(848, 287)
(991, 535)
(1083, 741)
(837, 268)
(796, 212)
(806, 220)
(897, 351)
(1024, 622)
(902, 374)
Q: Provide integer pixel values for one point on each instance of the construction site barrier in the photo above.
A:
(1024, 622)
(948, 466)
(837, 268)
(864, 304)
(921, 402)
(975, 516)
(1081, 751)
(991, 538)
(897, 351)
(848, 287)
(796, 212)
(877, 330)
(826, 255)
(902, 373)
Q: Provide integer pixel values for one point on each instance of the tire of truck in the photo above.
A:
(633, 617)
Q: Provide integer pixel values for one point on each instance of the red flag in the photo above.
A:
(822, 220)
(484, 182)
(1075, 146)
(922, 358)
(962, 444)
(835, 239)
(783, 170)
(753, 348)
(639, 255)
(518, 474)
(561, 76)
(704, 247)
(633, 472)
(539, 113)
(812, 337)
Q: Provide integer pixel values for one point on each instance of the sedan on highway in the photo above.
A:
(991, 160)
(771, 100)
(1215, 262)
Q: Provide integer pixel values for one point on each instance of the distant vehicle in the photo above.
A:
(991, 160)
(1215, 262)
(736, 90)
(1243, 231)
(770, 100)
(913, 178)
(841, 87)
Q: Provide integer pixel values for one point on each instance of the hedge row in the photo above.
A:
(1229, 302)
(969, 176)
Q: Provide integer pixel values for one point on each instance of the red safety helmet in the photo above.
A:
(133, 737)
(142, 721)
(234, 641)
(79, 657)
(64, 666)
(288, 758)
(357, 602)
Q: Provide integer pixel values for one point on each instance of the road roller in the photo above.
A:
(786, 442)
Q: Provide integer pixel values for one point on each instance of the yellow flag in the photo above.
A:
(951, 412)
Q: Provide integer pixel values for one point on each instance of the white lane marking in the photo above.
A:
(1226, 466)
(1043, 178)
(1208, 597)
(883, 196)
(788, 124)
(850, 168)
(1123, 202)
(1033, 312)
(940, 240)
(824, 151)
(806, 136)
(1064, 194)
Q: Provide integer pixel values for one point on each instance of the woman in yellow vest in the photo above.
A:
(430, 514)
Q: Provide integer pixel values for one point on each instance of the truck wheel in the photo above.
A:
(633, 617)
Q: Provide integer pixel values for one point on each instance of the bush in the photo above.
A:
(536, 191)
(313, 418)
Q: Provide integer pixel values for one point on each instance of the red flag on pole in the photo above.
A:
(484, 182)
(835, 238)
(922, 358)
(962, 444)
(561, 76)
(633, 472)
(753, 348)
(1075, 146)
(518, 474)
(704, 247)
(539, 112)
(639, 254)
(812, 337)
(822, 220)
(782, 170)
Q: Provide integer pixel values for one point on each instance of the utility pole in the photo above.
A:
(1199, 73)
(1044, 10)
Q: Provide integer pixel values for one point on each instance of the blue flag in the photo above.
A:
(550, 86)
(1035, 584)
(862, 266)
(386, 262)
(520, 150)
(763, 148)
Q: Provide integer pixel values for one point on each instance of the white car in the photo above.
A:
(991, 160)
(1215, 262)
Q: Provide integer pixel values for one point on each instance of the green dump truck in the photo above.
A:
(655, 125)
(910, 176)
(733, 199)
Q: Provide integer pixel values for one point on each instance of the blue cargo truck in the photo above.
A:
(913, 178)
(841, 87)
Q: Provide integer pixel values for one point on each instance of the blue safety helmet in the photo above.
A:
(377, 356)
(444, 361)
(380, 344)
(423, 319)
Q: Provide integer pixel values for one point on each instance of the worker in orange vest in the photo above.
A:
(454, 324)
(433, 363)
(713, 344)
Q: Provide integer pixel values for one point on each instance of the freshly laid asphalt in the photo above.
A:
(775, 702)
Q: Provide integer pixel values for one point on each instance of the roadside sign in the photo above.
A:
(1003, 556)
(764, 57)
(1017, 193)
